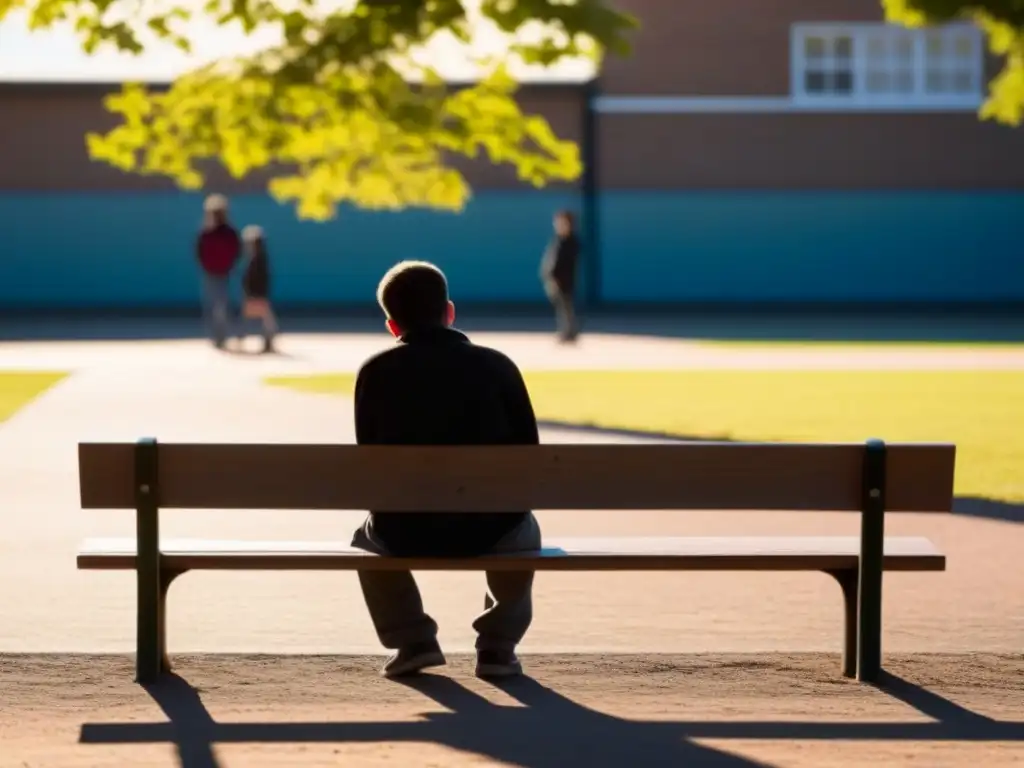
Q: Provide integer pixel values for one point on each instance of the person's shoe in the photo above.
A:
(268, 347)
(413, 659)
(494, 664)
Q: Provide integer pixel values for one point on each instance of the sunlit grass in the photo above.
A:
(19, 388)
(981, 411)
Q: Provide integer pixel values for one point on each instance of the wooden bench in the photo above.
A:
(870, 478)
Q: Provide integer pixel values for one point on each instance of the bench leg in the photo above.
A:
(872, 563)
(151, 659)
(848, 580)
(148, 599)
(166, 579)
(149, 592)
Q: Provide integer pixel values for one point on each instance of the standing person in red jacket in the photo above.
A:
(217, 250)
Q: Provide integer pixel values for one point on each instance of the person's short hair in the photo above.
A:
(252, 233)
(567, 216)
(215, 204)
(414, 294)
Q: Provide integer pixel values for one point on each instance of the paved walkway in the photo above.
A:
(185, 391)
(345, 352)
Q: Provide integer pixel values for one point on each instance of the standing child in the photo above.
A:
(256, 286)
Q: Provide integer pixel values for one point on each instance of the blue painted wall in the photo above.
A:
(110, 250)
(812, 246)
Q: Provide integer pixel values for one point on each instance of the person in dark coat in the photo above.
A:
(435, 387)
(558, 273)
(256, 286)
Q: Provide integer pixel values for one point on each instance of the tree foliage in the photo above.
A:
(341, 107)
(1003, 24)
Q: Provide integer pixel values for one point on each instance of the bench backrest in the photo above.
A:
(737, 476)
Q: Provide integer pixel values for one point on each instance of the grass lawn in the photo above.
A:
(19, 388)
(981, 411)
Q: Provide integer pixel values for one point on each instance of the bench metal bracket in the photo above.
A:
(848, 579)
(872, 554)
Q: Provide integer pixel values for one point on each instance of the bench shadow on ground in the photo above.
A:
(546, 730)
(967, 506)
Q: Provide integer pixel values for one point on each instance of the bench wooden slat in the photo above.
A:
(739, 476)
(791, 553)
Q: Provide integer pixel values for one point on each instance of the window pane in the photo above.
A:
(935, 81)
(842, 82)
(878, 82)
(814, 47)
(814, 81)
(934, 47)
(963, 47)
(903, 81)
(962, 82)
(877, 48)
(905, 47)
(843, 47)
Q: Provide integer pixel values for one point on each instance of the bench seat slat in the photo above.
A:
(772, 553)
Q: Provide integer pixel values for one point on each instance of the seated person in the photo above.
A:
(435, 387)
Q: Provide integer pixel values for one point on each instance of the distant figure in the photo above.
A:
(558, 272)
(256, 287)
(435, 387)
(217, 250)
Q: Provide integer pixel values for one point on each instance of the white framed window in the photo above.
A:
(864, 65)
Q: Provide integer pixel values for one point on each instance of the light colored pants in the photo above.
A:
(216, 301)
(396, 607)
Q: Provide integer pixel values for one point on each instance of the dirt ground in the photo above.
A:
(588, 710)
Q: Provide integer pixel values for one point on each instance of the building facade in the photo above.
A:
(799, 152)
(803, 152)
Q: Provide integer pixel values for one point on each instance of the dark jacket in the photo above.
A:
(217, 249)
(256, 280)
(437, 388)
(561, 260)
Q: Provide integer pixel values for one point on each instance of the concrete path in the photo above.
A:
(186, 391)
(309, 353)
